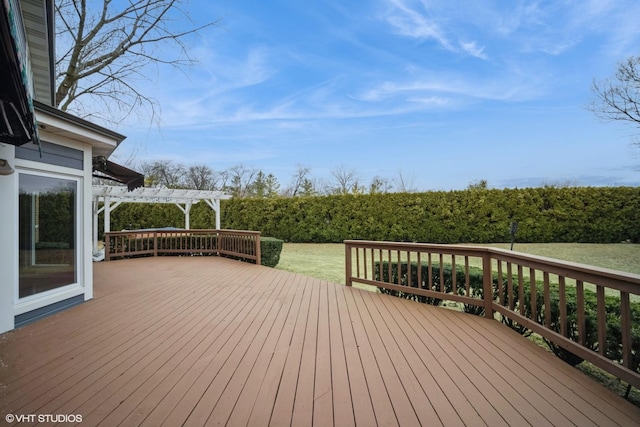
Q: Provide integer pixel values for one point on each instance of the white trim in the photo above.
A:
(43, 299)
(32, 302)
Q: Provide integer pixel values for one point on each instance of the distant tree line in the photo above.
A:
(242, 181)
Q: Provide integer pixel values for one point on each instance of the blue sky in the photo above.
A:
(444, 92)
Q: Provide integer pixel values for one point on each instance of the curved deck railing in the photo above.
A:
(244, 245)
(583, 312)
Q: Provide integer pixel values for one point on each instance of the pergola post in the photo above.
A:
(95, 224)
(186, 210)
(107, 214)
(215, 205)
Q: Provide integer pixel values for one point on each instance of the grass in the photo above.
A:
(326, 261)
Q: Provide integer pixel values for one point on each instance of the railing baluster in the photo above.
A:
(580, 307)
(454, 286)
(442, 288)
(389, 269)
(373, 264)
(409, 282)
(625, 324)
(364, 262)
(602, 320)
(563, 306)
(419, 261)
(521, 290)
(500, 287)
(429, 272)
(467, 279)
(547, 300)
(534, 296)
(512, 299)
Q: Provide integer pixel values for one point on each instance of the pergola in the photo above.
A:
(112, 197)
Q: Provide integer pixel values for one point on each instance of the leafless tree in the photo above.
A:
(105, 48)
(200, 177)
(241, 179)
(405, 184)
(345, 181)
(298, 181)
(379, 185)
(618, 98)
(163, 173)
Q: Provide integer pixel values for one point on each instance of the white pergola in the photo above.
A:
(113, 196)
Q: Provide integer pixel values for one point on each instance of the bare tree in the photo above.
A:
(618, 98)
(405, 184)
(345, 181)
(163, 173)
(104, 49)
(380, 185)
(300, 177)
(200, 177)
(241, 179)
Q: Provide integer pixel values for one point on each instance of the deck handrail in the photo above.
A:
(505, 275)
(134, 243)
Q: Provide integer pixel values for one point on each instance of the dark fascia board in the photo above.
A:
(70, 118)
(51, 34)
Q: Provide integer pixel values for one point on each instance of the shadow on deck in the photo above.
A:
(208, 340)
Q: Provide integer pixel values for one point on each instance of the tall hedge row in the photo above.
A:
(580, 214)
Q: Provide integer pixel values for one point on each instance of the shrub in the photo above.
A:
(270, 249)
(476, 289)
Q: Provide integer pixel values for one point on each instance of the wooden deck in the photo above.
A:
(207, 340)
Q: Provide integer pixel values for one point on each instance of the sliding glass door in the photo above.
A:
(48, 233)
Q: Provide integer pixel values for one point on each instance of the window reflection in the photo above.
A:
(47, 233)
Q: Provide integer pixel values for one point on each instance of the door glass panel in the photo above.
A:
(47, 233)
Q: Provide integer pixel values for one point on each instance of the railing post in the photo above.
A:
(487, 285)
(347, 265)
(107, 247)
(258, 254)
(155, 243)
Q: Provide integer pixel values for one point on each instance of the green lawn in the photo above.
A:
(326, 260)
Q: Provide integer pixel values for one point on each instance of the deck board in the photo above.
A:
(212, 341)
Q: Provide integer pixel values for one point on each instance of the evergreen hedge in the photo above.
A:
(549, 214)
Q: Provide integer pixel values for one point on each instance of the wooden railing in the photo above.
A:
(244, 245)
(583, 312)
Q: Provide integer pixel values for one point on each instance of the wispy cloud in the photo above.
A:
(473, 49)
(414, 23)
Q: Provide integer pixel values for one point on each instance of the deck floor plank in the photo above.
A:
(361, 404)
(258, 394)
(343, 408)
(560, 384)
(183, 355)
(212, 341)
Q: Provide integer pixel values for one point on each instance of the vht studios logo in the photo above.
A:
(43, 418)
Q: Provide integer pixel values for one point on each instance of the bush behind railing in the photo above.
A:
(613, 349)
